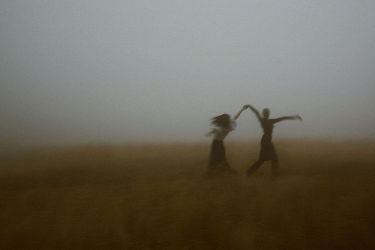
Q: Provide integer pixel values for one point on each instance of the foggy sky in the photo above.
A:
(127, 71)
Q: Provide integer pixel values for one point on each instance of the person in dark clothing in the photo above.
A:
(223, 124)
(267, 150)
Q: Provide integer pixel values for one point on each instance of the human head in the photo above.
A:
(266, 113)
(222, 121)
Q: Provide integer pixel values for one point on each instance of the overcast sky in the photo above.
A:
(93, 71)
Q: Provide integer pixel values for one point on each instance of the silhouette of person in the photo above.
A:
(267, 150)
(223, 124)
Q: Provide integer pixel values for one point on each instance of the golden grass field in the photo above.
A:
(155, 197)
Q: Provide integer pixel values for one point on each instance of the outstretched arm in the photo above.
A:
(239, 113)
(283, 118)
(255, 111)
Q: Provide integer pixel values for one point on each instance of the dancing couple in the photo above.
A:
(223, 124)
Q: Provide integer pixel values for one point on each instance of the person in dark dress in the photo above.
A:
(223, 124)
(267, 150)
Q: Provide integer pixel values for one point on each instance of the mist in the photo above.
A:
(142, 71)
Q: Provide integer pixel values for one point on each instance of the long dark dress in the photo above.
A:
(218, 156)
(218, 159)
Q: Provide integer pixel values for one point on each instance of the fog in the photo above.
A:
(140, 71)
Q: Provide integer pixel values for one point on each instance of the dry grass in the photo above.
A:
(154, 197)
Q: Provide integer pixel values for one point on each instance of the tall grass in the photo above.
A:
(155, 197)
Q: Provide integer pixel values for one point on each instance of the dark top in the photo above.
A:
(267, 126)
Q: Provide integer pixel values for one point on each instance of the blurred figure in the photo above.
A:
(223, 124)
(267, 151)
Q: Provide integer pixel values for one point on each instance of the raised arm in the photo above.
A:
(255, 111)
(239, 113)
(283, 118)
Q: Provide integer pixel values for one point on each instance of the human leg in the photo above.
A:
(275, 168)
(254, 167)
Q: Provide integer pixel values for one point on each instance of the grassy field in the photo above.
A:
(155, 197)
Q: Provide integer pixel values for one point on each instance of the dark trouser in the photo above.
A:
(267, 153)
